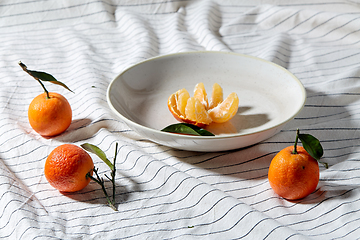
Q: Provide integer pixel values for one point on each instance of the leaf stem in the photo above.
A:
(23, 66)
(113, 172)
(296, 142)
(96, 150)
(100, 181)
(326, 165)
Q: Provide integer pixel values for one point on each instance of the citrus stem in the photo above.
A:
(100, 181)
(296, 141)
(113, 172)
(23, 66)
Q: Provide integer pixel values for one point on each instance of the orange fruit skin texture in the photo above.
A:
(293, 176)
(66, 168)
(50, 117)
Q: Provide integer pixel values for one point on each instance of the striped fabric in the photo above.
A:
(165, 193)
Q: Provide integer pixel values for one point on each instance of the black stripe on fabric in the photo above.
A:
(287, 225)
(214, 19)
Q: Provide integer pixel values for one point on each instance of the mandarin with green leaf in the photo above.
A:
(49, 113)
(294, 171)
(293, 176)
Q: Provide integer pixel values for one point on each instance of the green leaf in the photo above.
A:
(312, 145)
(94, 149)
(186, 128)
(46, 77)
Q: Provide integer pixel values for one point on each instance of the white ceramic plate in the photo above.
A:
(269, 97)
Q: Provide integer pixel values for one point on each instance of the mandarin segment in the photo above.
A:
(224, 111)
(182, 98)
(198, 111)
(216, 96)
(200, 93)
(173, 105)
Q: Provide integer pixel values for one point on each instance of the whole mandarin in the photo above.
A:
(66, 168)
(293, 176)
(50, 116)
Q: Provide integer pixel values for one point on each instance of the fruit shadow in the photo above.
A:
(94, 194)
(327, 192)
(248, 163)
(239, 122)
(79, 126)
(80, 129)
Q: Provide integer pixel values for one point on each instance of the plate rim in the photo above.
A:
(155, 131)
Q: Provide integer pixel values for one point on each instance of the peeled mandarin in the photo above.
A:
(198, 111)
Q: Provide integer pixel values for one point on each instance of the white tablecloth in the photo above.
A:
(165, 193)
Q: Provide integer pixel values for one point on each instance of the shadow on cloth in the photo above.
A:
(94, 194)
